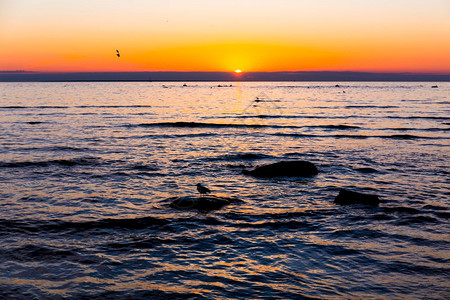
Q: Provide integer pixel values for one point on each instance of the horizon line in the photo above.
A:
(231, 72)
(111, 76)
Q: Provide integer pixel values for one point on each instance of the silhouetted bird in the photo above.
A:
(118, 53)
(202, 189)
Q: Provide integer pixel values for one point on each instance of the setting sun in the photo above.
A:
(237, 71)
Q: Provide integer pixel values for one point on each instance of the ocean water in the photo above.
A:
(87, 171)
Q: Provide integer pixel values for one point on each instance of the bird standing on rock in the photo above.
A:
(202, 189)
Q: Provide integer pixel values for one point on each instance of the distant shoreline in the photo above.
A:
(306, 76)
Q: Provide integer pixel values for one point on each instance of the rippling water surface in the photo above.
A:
(86, 171)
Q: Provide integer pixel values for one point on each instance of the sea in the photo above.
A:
(88, 171)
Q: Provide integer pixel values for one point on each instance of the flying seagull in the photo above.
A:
(202, 189)
(118, 53)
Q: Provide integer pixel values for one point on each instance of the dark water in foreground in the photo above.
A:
(86, 170)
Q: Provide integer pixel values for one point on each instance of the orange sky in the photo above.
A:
(201, 35)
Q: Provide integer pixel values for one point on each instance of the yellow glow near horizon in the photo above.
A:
(238, 71)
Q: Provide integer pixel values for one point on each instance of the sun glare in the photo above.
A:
(237, 71)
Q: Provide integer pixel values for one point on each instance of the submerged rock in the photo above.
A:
(296, 168)
(202, 203)
(346, 197)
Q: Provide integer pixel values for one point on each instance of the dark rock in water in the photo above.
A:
(348, 197)
(284, 168)
(204, 203)
(366, 170)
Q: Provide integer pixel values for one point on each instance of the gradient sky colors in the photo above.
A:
(210, 35)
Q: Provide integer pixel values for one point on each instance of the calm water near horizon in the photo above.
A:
(87, 170)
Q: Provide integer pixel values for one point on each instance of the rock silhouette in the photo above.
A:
(346, 197)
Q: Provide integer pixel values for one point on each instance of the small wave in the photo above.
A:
(113, 106)
(120, 175)
(233, 125)
(261, 117)
(56, 162)
(339, 250)
(150, 243)
(243, 156)
(401, 210)
(131, 172)
(167, 136)
(418, 219)
(76, 106)
(370, 106)
(434, 207)
(137, 223)
(352, 136)
(298, 135)
(366, 170)
(357, 136)
(40, 253)
(34, 107)
(419, 117)
(286, 117)
(284, 216)
(187, 135)
(403, 137)
(419, 129)
(439, 211)
(290, 224)
(55, 149)
(46, 226)
(144, 167)
(329, 117)
(442, 214)
(250, 156)
(401, 267)
(196, 125)
(133, 294)
(336, 127)
(13, 107)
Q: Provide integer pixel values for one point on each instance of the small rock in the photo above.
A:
(348, 197)
(297, 168)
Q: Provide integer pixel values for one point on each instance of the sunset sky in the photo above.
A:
(212, 35)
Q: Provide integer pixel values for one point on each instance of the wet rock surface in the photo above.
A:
(347, 197)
